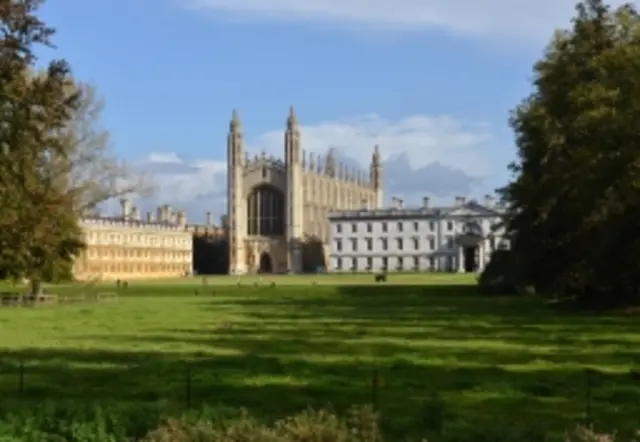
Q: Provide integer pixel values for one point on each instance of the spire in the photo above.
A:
(375, 172)
(235, 124)
(292, 121)
(375, 159)
(330, 163)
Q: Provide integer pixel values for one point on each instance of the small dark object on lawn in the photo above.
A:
(125, 284)
(635, 375)
(381, 277)
(195, 292)
(273, 284)
(118, 282)
(213, 292)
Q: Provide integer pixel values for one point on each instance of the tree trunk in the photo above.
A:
(36, 286)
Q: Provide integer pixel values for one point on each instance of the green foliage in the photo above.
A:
(39, 232)
(500, 274)
(574, 194)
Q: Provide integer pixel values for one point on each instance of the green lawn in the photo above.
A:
(444, 354)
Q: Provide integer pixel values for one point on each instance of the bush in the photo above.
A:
(499, 277)
(309, 426)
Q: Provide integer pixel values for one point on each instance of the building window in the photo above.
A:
(369, 227)
(400, 264)
(385, 244)
(400, 243)
(400, 227)
(338, 228)
(432, 243)
(416, 263)
(432, 226)
(450, 242)
(265, 211)
(385, 263)
(338, 263)
(416, 243)
(339, 245)
(354, 228)
(354, 264)
(354, 244)
(416, 226)
(369, 244)
(369, 263)
(432, 263)
(385, 228)
(449, 225)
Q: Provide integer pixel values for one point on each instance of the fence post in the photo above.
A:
(21, 376)
(375, 385)
(588, 411)
(188, 384)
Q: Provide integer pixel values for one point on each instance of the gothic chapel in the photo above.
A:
(278, 210)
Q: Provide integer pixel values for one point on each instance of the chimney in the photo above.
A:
(489, 201)
(135, 214)
(125, 205)
(209, 219)
(460, 200)
(149, 217)
(425, 202)
(224, 221)
(160, 214)
(397, 202)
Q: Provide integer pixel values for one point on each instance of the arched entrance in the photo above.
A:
(266, 266)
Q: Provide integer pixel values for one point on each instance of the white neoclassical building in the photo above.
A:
(456, 238)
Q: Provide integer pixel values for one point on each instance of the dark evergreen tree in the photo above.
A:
(575, 188)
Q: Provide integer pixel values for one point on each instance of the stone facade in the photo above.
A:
(126, 247)
(456, 238)
(278, 209)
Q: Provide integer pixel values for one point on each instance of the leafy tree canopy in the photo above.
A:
(575, 188)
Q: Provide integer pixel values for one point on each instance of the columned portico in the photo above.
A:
(471, 249)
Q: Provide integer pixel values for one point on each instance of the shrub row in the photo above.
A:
(50, 422)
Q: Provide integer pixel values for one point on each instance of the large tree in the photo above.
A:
(575, 192)
(55, 160)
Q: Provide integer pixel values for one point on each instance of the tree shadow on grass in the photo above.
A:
(440, 353)
(548, 400)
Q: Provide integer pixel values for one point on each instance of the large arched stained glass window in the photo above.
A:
(265, 211)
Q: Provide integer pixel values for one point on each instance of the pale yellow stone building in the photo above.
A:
(278, 209)
(127, 248)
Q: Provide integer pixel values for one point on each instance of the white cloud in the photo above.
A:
(522, 20)
(440, 156)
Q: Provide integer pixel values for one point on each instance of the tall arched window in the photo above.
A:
(265, 211)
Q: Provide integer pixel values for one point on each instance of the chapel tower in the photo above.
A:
(278, 209)
(293, 167)
(235, 197)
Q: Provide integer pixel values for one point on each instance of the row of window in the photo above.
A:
(399, 227)
(137, 238)
(149, 254)
(384, 243)
(414, 263)
(400, 243)
(133, 268)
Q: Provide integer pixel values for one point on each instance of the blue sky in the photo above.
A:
(431, 81)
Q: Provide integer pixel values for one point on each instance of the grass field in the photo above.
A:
(446, 359)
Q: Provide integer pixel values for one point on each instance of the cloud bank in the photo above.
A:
(422, 155)
(519, 20)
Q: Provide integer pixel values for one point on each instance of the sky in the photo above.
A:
(431, 81)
